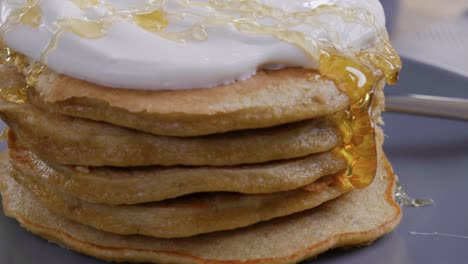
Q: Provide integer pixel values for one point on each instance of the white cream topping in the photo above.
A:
(204, 44)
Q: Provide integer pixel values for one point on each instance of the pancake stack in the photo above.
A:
(120, 179)
(276, 168)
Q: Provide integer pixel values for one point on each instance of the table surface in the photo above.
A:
(416, 15)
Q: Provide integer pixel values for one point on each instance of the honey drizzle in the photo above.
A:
(84, 4)
(83, 28)
(356, 74)
(12, 92)
(16, 92)
(154, 21)
(29, 14)
(32, 17)
(356, 124)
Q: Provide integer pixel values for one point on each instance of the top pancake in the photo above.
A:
(267, 99)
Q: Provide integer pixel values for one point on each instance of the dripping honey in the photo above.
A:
(356, 125)
(16, 91)
(359, 79)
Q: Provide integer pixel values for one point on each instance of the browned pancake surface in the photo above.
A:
(77, 141)
(184, 216)
(118, 186)
(267, 99)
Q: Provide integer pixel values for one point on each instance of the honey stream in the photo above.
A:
(356, 74)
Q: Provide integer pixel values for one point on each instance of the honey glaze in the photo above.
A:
(359, 78)
(16, 91)
(84, 4)
(154, 21)
(30, 14)
(357, 73)
(14, 94)
(32, 17)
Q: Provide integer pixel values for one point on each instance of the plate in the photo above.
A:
(429, 155)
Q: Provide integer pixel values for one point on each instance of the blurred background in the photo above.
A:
(430, 31)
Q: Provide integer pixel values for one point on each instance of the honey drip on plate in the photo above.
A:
(356, 74)
(403, 199)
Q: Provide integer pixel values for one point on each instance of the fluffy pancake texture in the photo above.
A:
(182, 217)
(356, 218)
(109, 185)
(186, 216)
(77, 141)
(267, 99)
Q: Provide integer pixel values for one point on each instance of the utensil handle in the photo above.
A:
(436, 106)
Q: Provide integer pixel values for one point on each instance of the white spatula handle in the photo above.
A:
(445, 107)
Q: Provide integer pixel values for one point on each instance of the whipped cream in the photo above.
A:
(185, 44)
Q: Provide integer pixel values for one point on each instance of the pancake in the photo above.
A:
(269, 98)
(187, 215)
(139, 185)
(357, 218)
(76, 141)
